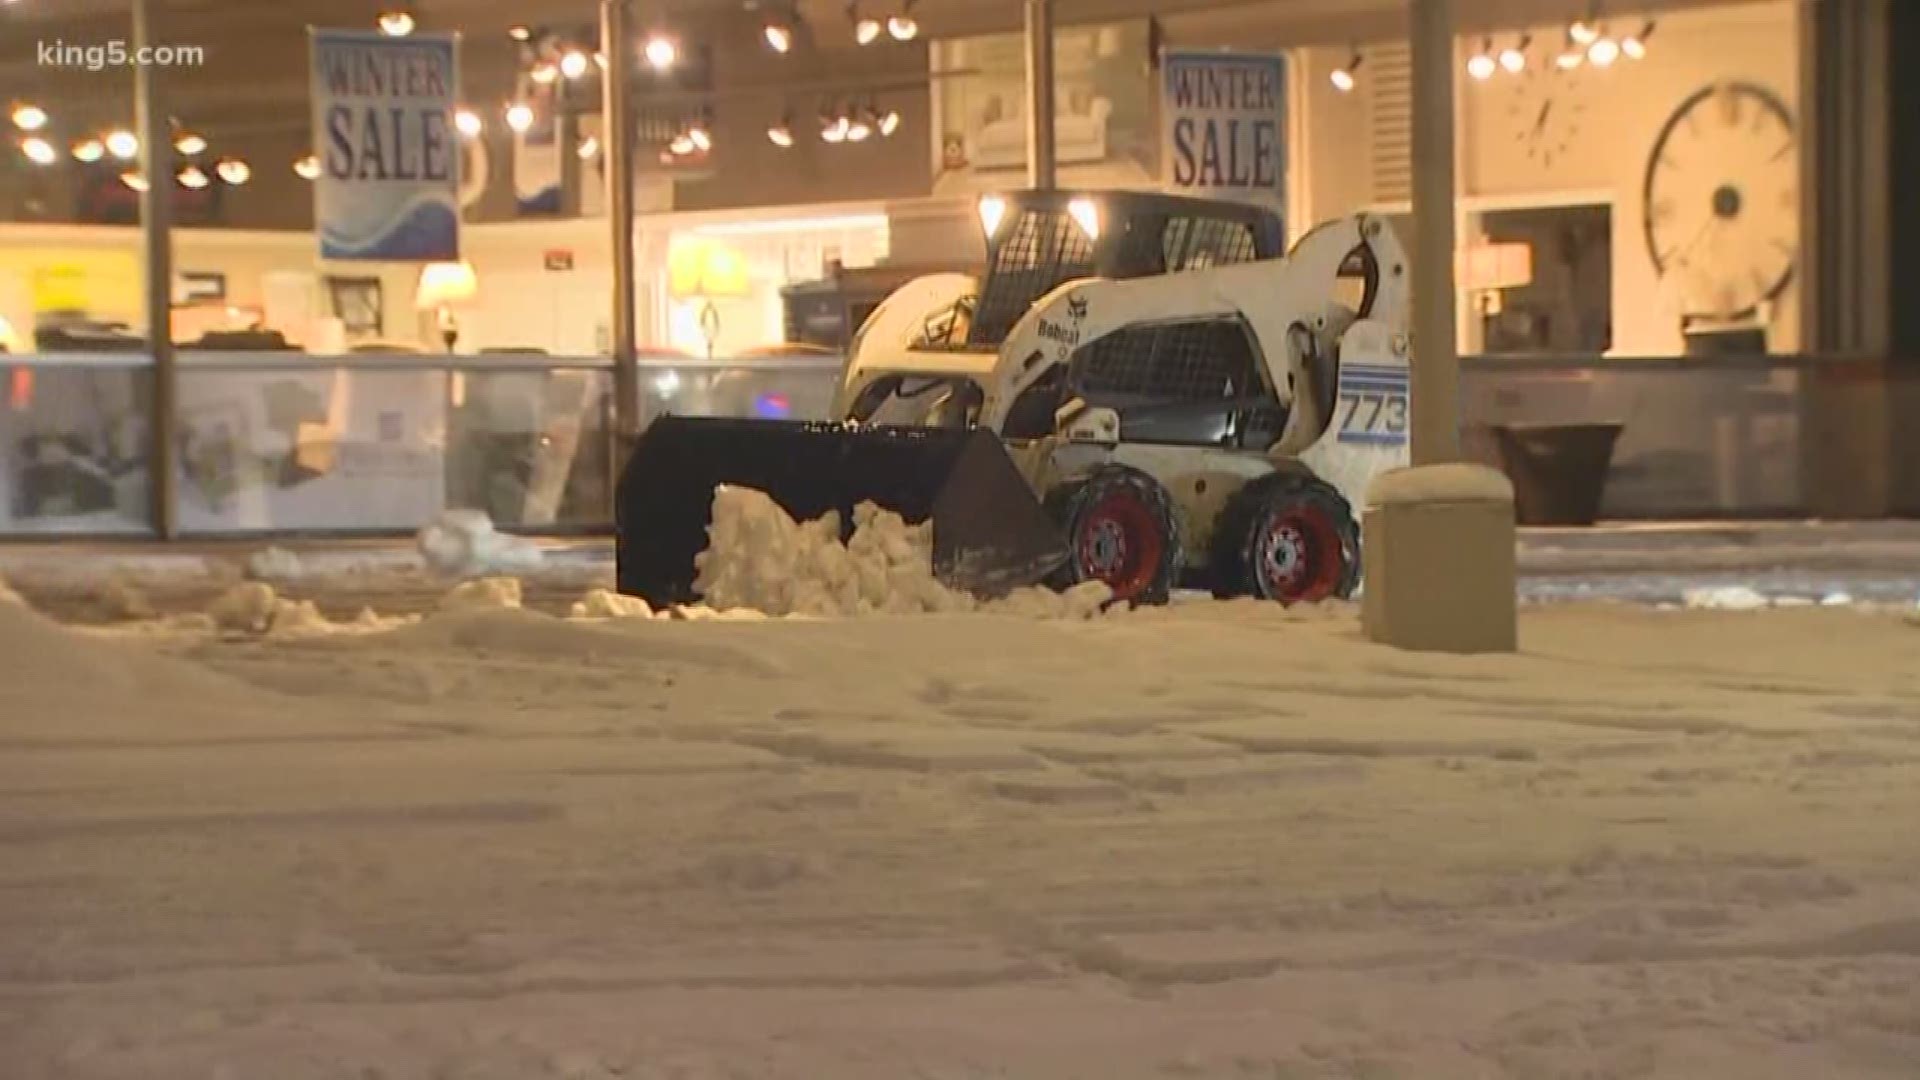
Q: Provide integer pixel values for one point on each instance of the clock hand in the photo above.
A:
(1546, 110)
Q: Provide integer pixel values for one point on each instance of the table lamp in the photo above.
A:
(443, 286)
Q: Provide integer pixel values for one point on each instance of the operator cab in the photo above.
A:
(1038, 241)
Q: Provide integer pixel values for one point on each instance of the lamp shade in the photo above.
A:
(446, 284)
(703, 268)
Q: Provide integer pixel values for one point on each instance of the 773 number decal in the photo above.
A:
(1373, 405)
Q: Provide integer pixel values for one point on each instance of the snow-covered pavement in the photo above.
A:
(1214, 840)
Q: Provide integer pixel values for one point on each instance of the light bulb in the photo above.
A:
(519, 116)
(190, 144)
(574, 64)
(1583, 32)
(134, 180)
(29, 117)
(588, 148)
(88, 151)
(234, 171)
(781, 134)
(779, 38)
(1482, 66)
(38, 150)
(1603, 52)
(903, 28)
(859, 130)
(702, 141)
(835, 130)
(1635, 45)
(544, 74)
(866, 31)
(1514, 57)
(1343, 77)
(193, 179)
(889, 123)
(682, 145)
(307, 168)
(122, 144)
(396, 23)
(520, 32)
(662, 53)
(469, 123)
(1570, 59)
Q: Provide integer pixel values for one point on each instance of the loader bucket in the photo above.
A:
(990, 534)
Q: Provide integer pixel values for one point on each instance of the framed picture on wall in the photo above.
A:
(358, 303)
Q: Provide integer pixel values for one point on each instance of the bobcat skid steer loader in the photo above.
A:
(1140, 390)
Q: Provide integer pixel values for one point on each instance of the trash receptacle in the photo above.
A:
(1559, 471)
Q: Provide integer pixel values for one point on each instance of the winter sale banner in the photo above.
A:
(389, 183)
(1224, 125)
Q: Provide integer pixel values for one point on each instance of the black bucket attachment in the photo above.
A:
(990, 534)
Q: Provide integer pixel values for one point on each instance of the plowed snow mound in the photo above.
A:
(761, 559)
(55, 682)
(520, 633)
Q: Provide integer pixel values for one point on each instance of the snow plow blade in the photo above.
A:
(990, 534)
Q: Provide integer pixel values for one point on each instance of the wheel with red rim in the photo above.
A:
(1290, 538)
(1120, 529)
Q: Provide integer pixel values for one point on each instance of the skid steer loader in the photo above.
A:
(1141, 389)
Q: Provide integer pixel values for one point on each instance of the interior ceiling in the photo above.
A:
(260, 44)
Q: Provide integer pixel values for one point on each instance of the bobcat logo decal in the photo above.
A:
(1076, 308)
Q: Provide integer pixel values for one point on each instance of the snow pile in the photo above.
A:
(255, 608)
(274, 563)
(482, 594)
(759, 558)
(607, 604)
(1731, 598)
(464, 543)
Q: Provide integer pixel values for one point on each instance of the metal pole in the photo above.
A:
(156, 224)
(1040, 116)
(1436, 362)
(616, 41)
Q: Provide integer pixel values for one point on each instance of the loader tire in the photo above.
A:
(1287, 537)
(1121, 529)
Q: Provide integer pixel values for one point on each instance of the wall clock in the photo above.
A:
(1721, 206)
(1545, 113)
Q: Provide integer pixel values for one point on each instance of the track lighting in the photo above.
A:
(1342, 77)
(1481, 65)
(1514, 57)
(1635, 45)
(396, 23)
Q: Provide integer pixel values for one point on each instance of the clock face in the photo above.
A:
(1722, 201)
(1545, 112)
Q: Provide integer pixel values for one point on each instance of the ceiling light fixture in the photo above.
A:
(779, 37)
(520, 32)
(38, 150)
(1583, 32)
(189, 144)
(574, 64)
(1514, 57)
(1342, 77)
(193, 179)
(234, 171)
(307, 168)
(781, 134)
(1635, 45)
(661, 52)
(122, 144)
(1481, 65)
(588, 149)
(888, 123)
(134, 180)
(1603, 52)
(396, 23)
(520, 116)
(29, 117)
(866, 28)
(88, 151)
(468, 123)
(904, 27)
